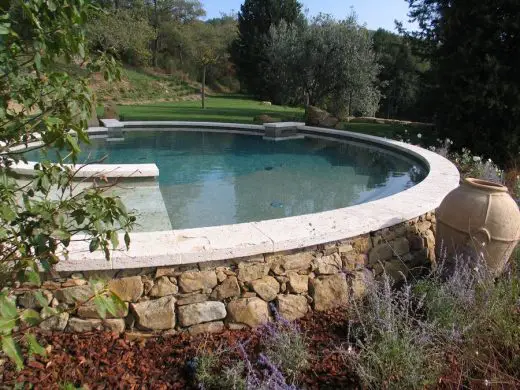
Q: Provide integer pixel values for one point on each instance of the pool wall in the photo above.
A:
(207, 279)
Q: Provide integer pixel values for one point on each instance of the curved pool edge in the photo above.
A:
(199, 245)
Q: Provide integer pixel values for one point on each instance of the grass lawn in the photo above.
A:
(242, 109)
(221, 108)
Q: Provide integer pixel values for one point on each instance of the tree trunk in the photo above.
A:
(155, 48)
(203, 91)
(350, 104)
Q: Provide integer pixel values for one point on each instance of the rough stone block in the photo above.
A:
(78, 325)
(129, 289)
(329, 292)
(292, 307)
(227, 289)
(209, 327)
(267, 288)
(400, 246)
(362, 244)
(163, 287)
(249, 311)
(55, 323)
(298, 284)
(192, 281)
(156, 314)
(191, 298)
(70, 295)
(201, 312)
(248, 272)
(327, 265)
(294, 262)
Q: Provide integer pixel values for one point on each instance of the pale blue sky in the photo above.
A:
(375, 13)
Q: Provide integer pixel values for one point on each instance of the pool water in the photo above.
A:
(209, 179)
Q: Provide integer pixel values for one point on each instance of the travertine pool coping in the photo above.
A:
(175, 247)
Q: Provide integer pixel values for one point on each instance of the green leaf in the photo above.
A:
(31, 317)
(33, 277)
(60, 234)
(40, 298)
(34, 347)
(4, 28)
(114, 239)
(101, 307)
(7, 307)
(7, 325)
(12, 349)
(94, 244)
(127, 240)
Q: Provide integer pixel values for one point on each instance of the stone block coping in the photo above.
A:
(187, 246)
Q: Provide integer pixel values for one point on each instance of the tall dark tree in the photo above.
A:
(249, 50)
(400, 76)
(473, 47)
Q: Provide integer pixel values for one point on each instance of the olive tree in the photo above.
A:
(39, 219)
(325, 62)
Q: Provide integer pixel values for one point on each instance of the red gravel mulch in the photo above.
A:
(103, 360)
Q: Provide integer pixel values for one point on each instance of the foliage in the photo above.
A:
(330, 62)
(248, 53)
(285, 346)
(396, 349)
(115, 32)
(401, 76)
(40, 218)
(477, 93)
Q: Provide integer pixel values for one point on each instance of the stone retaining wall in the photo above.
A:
(236, 293)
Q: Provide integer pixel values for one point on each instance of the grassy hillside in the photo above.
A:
(138, 85)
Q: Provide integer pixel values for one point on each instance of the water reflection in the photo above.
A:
(213, 178)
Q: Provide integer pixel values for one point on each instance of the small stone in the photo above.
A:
(396, 270)
(281, 264)
(147, 286)
(227, 289)
(429, 239)
(345, 248)
(57, 322)
(163, 287)
(267, 288)
(50, 285)
(89, 310)
(328, 249)
(233, 326)
(327, 265)
(192, 281)
(138, 336)
(298, 284)
(329, 292)
(292, 307)
(248, 272)
(249, 295)
(188, 299)
(77, 325)
(70, 295)
(114, 325)
(201, 312)
(209, 327)
(362, 244)
(74, 282)
(221, 276)
(165, 271)
(155, 314)
(249, 311)
(423, 226)
(77, 275)
(129, 289)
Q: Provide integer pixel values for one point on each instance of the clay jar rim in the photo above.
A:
(485, 185)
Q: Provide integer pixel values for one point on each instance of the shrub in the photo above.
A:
(396, 349)
(285, 346)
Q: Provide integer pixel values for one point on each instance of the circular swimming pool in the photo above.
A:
(208, 179)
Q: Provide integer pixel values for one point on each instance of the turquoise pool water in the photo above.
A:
(211, 179)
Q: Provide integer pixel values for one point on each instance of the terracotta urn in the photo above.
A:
(478, 217)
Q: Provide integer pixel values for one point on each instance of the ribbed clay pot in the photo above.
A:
(481, 216)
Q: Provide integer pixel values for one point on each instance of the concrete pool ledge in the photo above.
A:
(191, 246)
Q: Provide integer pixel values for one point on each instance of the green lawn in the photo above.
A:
(222, 108)
(242, 109)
